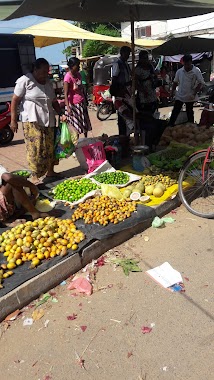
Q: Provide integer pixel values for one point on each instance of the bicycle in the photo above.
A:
(199, 171)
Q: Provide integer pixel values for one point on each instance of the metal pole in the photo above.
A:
(136, 135)
(81, 43)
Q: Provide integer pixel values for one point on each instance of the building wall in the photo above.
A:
(160, 29)
(157, 27)
(190, 24)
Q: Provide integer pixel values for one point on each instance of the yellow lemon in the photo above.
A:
(8, 247)
(35, 262)
(31, 256)
(11, 265)
(41, 256)
(19, 242)
(47, 254)
(9, 272)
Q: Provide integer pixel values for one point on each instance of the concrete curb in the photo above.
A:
(33, 288)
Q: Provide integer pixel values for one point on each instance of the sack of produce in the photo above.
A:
(94, 154)
(188, 133)
(64, 146)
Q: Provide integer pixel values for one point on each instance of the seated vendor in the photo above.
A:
(12, 193)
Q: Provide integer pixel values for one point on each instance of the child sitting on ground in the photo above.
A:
(12, 193)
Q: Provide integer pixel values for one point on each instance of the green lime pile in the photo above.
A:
(112, 178)
(23, 173)
(73, 190)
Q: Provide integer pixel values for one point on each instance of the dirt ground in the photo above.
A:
(104, 341)
(13, 156)
(180, 345)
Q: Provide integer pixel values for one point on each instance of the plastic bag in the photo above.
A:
(160, 222)
(111, 191)
(79, 153)
(94, 154)
(64, 146)
(82, 285)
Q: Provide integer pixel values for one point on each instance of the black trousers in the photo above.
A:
(176, 110)
(121, 125)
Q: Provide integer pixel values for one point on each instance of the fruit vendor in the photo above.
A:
(189, 81)
(12, 193)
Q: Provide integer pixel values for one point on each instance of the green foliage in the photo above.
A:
(128, 265)
(67, 51)
(92, 26)
(92, 48)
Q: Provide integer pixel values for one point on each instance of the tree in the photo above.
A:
(92, 48)
(68, 50)
(92, 26)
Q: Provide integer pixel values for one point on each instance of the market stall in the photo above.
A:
(55, 31)
(31, 251)
(185, 45)
(94, 212)
(99, 222)
(94, 207)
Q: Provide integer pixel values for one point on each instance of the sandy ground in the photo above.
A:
(180, 345)
(113, 347)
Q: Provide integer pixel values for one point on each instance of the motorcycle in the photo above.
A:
(6, 133)
(106, 107)
(207, 93)
(101, 84)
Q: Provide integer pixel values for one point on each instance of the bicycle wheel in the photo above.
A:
(199, 198)
(104, 111)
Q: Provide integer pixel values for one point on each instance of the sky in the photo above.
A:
(52, 53)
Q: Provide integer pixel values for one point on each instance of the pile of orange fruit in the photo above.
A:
(104, 210)
(38, 240)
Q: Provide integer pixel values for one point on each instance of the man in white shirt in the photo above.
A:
(189, 81)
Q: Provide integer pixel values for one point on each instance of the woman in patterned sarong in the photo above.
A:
(76, 105)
